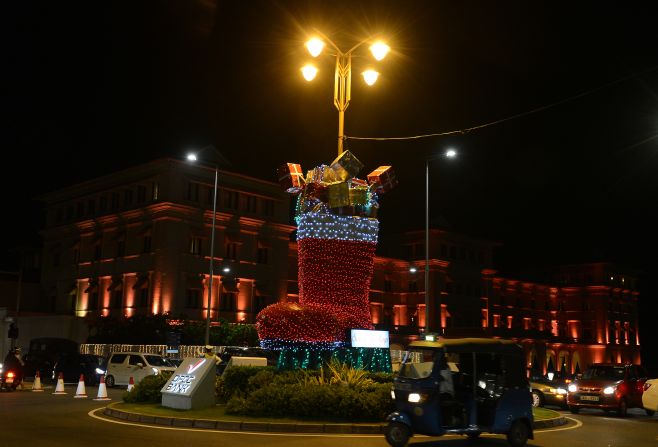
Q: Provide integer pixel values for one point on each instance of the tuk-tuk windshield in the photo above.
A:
(417, 363)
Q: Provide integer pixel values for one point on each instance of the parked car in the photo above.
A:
(650, 396)
(72, 365)
(609, 387)
(547, 391)
(44, 353)
(121, 366)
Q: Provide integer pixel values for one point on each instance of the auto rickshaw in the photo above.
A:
(489, 393)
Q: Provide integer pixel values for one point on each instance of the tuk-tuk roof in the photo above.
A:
(467, 344)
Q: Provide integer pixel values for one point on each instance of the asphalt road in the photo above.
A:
(42, 419)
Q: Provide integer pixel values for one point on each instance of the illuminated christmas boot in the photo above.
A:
(336, 259)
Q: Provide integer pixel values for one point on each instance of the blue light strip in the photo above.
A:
(329, 226)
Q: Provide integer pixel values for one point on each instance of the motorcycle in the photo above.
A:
(11, 375)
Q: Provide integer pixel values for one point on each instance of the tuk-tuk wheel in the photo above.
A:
(517, 436)
(397, 434)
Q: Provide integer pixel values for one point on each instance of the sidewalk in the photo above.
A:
(278, 427)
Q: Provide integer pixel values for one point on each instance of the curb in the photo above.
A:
(256, 426)
(275, 427)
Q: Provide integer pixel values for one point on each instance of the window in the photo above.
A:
(69, 212)
(102, 204)
(449, 287)
(260, 302)
(114, 205)
(231, 250)
(195, 246)
(211, 195)
(413, 286)
(91, 206)
(118, 358)
(229, 301)
(128, 197)
(155, 191)
(250, 204)
(268, 207)
(193, 298)
(121, 248)
(117, 298)
(141, 193)
(231, 200)
(262, 255)
(97, 252)
(134, 360)
(143, 297)
(79, 209)
(444, 250)
(453, 252)
(76, 255)
(146, 244)
(93, 301)
(193, 191)
(388, 285)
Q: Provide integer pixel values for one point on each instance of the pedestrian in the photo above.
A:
(209, 354)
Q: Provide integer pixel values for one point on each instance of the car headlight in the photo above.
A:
(572, 388)
(561, 391)
(393, 394)
(609, 390)
(99, 371)
(155, 371)
(416, 397)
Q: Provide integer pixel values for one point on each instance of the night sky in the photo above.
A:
(567, 175)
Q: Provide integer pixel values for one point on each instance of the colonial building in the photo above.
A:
(138, 241)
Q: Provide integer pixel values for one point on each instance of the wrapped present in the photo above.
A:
(346, 166)
(321, 174)
(359, 195)
(358, 182)
(315, 191)
(291, 177)
(339, 194)
(383, 178)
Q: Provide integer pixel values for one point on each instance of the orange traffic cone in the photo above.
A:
(102, 390)
(36, 385)
(59, 389)
(81, 392)
(131, 383)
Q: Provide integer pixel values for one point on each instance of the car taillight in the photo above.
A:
(646, 386)
(10, 374)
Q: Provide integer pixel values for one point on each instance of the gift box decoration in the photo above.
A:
(291, 177)
(354, 182)
(359, 195)
(339, 194)
(315, 191)
(383, 178)
(346, 165)
(321, 174)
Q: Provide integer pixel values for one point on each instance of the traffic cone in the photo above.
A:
(36, 385)
(81, 392)
(59, 389)
(131, 383)
(102, 390)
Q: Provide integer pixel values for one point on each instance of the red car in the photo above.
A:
(609, 387)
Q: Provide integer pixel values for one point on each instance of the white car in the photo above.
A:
(650, 396)
(121, 366)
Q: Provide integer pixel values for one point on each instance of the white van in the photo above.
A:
(121, 366)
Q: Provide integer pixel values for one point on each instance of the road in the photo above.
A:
(42, 419)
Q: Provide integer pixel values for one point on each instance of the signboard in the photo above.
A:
(363, 338)
(191, 386)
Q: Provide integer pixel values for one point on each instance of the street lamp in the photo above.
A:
(192, 157)
(343, 74)
(450, 153)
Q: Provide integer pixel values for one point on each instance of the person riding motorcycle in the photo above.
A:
(14, 363)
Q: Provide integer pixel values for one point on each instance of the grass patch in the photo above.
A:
(541, 414)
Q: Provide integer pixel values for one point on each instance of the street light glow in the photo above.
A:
(370, 76)
(379, 50)
(413, 269)
(451, 153)
(191, 156)
(309, 72)
(226, 269)
(315, 46)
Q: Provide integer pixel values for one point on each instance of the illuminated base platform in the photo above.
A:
(368, 359)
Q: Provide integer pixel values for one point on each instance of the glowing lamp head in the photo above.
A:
(379, 50)
(191, 156)
(370, 76)
(451, 153)
(413, 269)
(572, 388)
(314, 46)
(309, 72)
(226, 269)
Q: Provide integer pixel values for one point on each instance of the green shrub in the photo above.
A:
(235, 380)
(148, 389)
(381, 377)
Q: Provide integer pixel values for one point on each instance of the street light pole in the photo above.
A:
(343, 75)
(212, 255)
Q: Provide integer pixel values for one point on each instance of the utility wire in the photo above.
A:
(509, 118)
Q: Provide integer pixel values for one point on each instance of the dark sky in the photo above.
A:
(91, 87)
